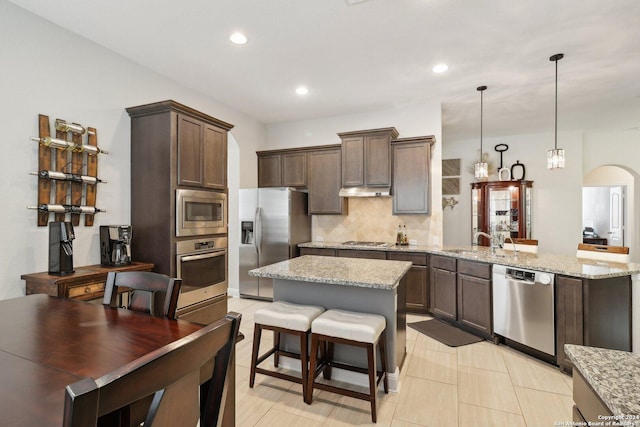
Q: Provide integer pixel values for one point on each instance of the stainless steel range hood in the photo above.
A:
(365, 192)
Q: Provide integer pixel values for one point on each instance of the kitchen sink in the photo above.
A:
(462, 251)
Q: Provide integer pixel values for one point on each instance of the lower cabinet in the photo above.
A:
(417, 280)
(461, 293)
(317, 251)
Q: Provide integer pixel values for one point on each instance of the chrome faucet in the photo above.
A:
(515, 249)
(492, 246)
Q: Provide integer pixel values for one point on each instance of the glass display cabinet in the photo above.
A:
(501, 208)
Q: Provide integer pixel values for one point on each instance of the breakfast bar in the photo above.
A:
(362, 285)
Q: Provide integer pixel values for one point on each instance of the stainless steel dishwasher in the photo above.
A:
(523, 302)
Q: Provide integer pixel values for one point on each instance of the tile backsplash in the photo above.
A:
(371, 219)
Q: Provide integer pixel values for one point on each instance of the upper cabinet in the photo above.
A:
(324, 182)
(503, 208)
(412, 174)
(202, 153)
(282, 169)
(366, 157)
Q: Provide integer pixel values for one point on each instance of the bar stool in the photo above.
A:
(283, 317)
(350, 328)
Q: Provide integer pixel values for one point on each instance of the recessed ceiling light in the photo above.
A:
(301, 90)
(440, 68)
(238, 38)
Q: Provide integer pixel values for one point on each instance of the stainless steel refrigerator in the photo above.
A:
(272, 223)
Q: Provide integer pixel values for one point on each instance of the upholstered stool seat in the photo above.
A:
(348, 328)
(288, 318)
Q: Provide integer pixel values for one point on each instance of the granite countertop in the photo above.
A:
(366, 273)
(614, 375)
(550, 263)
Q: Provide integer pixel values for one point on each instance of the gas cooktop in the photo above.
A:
(359, 243)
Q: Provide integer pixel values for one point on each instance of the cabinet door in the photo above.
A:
(324, 182)
(270, 170)
(377, 165)
(190, 151)
(353, 161)
(318, 251)
(214, 160)
(417, 289)
(443, 301)
(411, 163)
(356, 253)
(474, 303)
(569, 315)
(294, 169)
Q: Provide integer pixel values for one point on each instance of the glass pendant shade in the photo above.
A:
(555, 158)
(481, 170)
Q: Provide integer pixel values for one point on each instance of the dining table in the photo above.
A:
(48, 342)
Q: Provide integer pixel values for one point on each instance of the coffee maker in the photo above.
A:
(61, 248)
(115, 244)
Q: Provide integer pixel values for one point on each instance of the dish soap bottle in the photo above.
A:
(405, 240)
(399, 235)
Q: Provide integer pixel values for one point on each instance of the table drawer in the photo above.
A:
(443, 262)
(476, 269)
(86, 291)
(416, 259)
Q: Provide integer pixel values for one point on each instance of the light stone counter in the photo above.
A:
(366, 273)
(551, 263)
(614, 375)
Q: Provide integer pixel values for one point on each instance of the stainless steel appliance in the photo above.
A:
(202, 266)
(61, 237)
(115, 244)
(200, 212)
(523, 307)
(273, 221)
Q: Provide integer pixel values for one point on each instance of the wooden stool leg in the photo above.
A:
(257, 334)
(276, 345)
(304, 361)
(326, 372)
(383, 360)
(311, 374)
(373, 376)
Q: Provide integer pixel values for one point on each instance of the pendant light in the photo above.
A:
(481, 167)
(555, 157)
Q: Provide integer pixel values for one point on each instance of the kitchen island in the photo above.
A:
(362, 285)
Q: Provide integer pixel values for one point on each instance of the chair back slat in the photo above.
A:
(171, 374)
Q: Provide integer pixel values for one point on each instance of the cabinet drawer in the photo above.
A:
(443, 262)
(476, 269)
(318, 251)
(354, 253)
(416, 259)
(86, 291)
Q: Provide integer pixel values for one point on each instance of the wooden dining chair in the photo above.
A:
(147, 292)
(171, 374)
(603, 252)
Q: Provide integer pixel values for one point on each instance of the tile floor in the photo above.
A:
(475, 385)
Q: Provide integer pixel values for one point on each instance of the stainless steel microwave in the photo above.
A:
(200, 212)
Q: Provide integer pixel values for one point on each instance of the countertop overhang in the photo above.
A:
(550, 263)
(367, 273)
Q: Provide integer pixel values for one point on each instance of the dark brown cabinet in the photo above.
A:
(282, 168)
(324, 181)
(202, 153)
(269, 170)
(356, 253)
(503, 208)
(592, 312)
(294, 169)
(443, 300)
(366, 157)
(318, 251)
(417, 279)
(412, 174)
(474, 296)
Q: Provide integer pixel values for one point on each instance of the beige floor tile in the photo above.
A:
(399, 423)
(323, 403)
(349, 411)
(425, 343)
(434, 366)
(278, 418)
(526, 371)
(541, 408)
(470, 415)
(483, 355)
(253, 403)
(489, 389)
(427, 403)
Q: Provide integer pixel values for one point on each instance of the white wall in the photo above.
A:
(48, 70)
(557, 194)
(409, 120)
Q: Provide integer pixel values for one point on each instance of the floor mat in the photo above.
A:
(445, 333)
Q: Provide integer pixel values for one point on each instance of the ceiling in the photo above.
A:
(378, 54)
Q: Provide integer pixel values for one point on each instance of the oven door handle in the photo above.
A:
(186, 258)
(258, 237)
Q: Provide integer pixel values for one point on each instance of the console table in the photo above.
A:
(86, 283)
